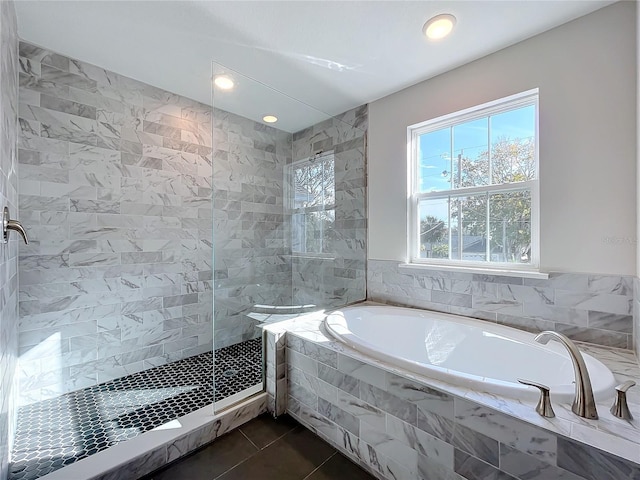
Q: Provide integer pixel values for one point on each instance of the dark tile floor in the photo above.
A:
(264, 449)
(54, 433)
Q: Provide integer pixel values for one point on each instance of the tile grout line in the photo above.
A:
(274, 440)
(250, 441)
(253, 454)
(242, 461)
(335, 452)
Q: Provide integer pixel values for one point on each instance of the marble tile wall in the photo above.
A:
(400, 429)
(252, 266)
(8, 252)
(116, 195)
(341, 278)
(275, 371)
(636, 316)
(590, 308)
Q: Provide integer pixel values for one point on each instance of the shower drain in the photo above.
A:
(230, 373)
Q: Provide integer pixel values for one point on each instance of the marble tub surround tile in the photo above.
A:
(275, 372)
(597, 309)
(8, 252)
(504, 437)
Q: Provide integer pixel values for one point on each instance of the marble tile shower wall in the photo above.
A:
(340, 279)
(8, 252)
(251, 230)
(636, 316)
(116, 195)
(590, 308)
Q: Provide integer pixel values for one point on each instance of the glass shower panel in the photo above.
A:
(329, 271)
(289, 219)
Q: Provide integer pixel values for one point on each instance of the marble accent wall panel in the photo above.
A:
(8, 252)
(115, 184)
(252, 266)
(340, 277)
(398, 428)
(589, 308)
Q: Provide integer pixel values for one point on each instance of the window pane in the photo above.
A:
(510, 227)
(469, 228)
(327, 218)
(298, 242)
(300, 191)
(314, 184)
(329, 181)
(470, 153)
(513, 146)
(313, 232)
(434, 228)
(434, 161)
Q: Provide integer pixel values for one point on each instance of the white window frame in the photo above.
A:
(289, 200)
(512, 102)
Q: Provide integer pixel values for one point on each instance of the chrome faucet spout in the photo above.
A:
(584, 405)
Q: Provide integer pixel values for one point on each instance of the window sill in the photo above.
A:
(479, 270)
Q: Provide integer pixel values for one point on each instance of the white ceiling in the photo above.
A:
(333, 55)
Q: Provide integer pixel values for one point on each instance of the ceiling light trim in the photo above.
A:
(439, 27)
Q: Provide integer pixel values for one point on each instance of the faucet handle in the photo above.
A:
(543, 407)
(8, 224)
(620, 408)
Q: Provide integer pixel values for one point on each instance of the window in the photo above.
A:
(473, 181)
(311, 202)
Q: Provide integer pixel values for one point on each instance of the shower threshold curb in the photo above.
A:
(156, 448)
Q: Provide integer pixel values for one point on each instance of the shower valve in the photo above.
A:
(8, 224)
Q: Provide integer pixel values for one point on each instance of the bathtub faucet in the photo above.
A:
(584, 405)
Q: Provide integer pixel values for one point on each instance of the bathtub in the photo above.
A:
(478, 355)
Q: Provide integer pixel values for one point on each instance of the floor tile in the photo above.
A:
(339, 467)
(211, 461)
(264, 430)
(292, 457)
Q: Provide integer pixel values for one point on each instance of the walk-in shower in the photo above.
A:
(163, 234)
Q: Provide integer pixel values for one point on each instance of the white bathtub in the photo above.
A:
(462, 351)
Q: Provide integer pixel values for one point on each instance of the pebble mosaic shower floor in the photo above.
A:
(58, 432)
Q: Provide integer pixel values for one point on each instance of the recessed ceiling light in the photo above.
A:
(223, 82)
(439, 26)
(270, 118)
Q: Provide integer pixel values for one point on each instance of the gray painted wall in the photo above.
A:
(9, 252)
(587, 120)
